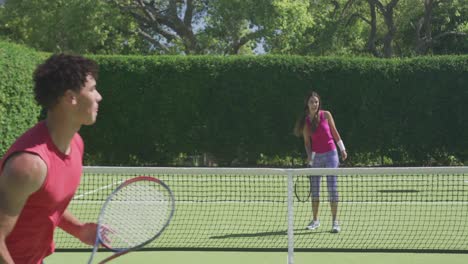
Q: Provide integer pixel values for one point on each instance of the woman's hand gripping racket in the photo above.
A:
(134, 214)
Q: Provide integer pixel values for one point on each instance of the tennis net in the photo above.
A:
(379, 209)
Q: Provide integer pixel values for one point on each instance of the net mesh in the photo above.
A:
(417, 209)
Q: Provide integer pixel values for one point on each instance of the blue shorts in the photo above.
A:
(325, 160)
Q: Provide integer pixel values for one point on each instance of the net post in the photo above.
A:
(290, 218)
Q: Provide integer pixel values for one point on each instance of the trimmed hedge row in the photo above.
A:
(236, 108)
(18, 110)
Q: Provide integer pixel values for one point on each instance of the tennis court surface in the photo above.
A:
(381, 210)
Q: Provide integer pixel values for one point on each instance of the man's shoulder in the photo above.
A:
(25, 169)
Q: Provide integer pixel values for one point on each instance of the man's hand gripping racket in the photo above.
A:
(134, 214)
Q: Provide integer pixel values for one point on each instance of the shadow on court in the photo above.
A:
(297, 232)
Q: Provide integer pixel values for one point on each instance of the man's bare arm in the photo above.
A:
(22, 175)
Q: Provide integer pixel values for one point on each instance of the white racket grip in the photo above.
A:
(312, 157)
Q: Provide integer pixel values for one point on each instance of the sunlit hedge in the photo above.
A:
(18, 110)
(241, 110)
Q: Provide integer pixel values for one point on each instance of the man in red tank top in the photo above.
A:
(41, 171)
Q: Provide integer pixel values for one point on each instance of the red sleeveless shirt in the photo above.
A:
(31, 240)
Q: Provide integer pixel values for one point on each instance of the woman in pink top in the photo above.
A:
(318, 129)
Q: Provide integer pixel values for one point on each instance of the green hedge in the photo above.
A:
(237, 108)
(18, 110)
(241, 110)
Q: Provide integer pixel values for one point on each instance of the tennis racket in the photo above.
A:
(302, 188)
(134, 214)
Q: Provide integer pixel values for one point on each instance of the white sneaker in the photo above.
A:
(336, 227)
(313, 225)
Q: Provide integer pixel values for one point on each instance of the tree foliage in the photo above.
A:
(379, 28)
(81, 26)
(219, 26)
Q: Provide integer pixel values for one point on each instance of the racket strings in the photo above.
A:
(135, 214)
(302, 188)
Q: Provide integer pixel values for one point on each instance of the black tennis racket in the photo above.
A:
(134, 214)
(302, 188)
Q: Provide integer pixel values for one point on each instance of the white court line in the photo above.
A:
(97, 190)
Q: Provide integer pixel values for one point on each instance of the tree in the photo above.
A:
(219, 26)
(340, 27)
(388, 15)
(235, 27)
(409, 27)
(81, 26)
(372, 39)
(166, 24)
(288, 31)
(442, 20)
(432, 27)
(278, 25)
(381, 28)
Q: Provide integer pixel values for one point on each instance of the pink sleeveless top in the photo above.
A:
(31, 240)
(321, 139)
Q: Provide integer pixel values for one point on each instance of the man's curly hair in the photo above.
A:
(59, 73)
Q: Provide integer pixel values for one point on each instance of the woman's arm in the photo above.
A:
(307, 145)
(336, 135)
